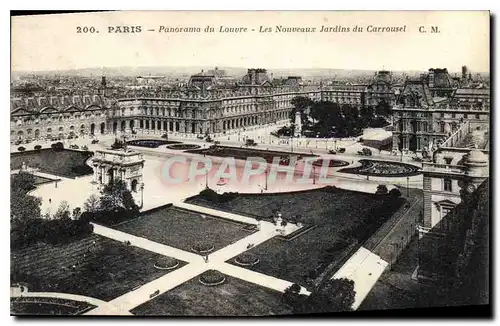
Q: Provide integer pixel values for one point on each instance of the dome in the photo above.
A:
(475, 156)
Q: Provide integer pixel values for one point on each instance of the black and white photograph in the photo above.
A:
(250, 163)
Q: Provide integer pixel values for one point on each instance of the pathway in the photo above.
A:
(196, 266)
(364, 268)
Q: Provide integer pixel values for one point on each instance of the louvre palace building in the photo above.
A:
(209, 103)
(429, 109)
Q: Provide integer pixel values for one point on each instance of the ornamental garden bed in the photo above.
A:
(247, 259)
(183, 147)
(150, 143)
(202, 247)
(244, 153)
(166, 263)
(383, 169)
(47, 306)
(331, 163)
(212, 278)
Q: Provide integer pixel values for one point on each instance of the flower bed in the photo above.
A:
(331, 163)
(151, 143)
(183, 147)
(202, 247)
(166, 263)
(247, 259)
(212, 278)
(383, 169)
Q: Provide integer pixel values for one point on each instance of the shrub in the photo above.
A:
(164, 136)
(202, 247)
(395, 193)
(38, 147)
(212, 277)
(21, 149)
(381, 190)
(57, 146)
(246, 259)
(166, 263)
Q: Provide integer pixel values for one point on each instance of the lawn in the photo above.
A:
(66, 163)
(94, 266)
(336, 215)
(243, 153)
(41, 180)
(233, 298)
(47, 306)
(383, 168)
(182, 229)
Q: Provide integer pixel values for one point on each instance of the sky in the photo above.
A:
(51, 42)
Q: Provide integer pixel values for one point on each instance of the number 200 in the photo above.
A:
(85, 29)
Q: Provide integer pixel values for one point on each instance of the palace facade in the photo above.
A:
(430, 108)
(211, 102)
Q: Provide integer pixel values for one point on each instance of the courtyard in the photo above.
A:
(65, 163)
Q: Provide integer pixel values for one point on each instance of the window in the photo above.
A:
(478, 117)
(447, 185)
(442, 114)
(453, 115)
(465, 116)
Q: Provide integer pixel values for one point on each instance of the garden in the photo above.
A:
(244, 153)
(94, 266)
(60, 162)
(383, 169)
(150, 143)
(47, 306)
(331, 163)
(183, 147)
(340, 223)
(234, 297)
(186, 230)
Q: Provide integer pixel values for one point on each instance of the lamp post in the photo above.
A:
(142, 195)
(407, 186)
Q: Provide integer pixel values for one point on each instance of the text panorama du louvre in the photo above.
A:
(260, 29)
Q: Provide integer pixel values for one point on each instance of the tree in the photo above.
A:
(22, 181)
(333, 296)
(395, 193)
(381, 190)
(77, 212)
(62, 212)
(23, 208)
(92, 204)
(116, 196)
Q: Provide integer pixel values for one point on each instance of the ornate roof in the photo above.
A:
(47, 104)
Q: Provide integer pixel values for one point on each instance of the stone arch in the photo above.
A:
(82, 129)
(92, 129)
(103, 127)
(115, 127)
(123, 125)
(20, 134)
(37, 133)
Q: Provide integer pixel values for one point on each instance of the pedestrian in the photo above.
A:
(50, 201)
